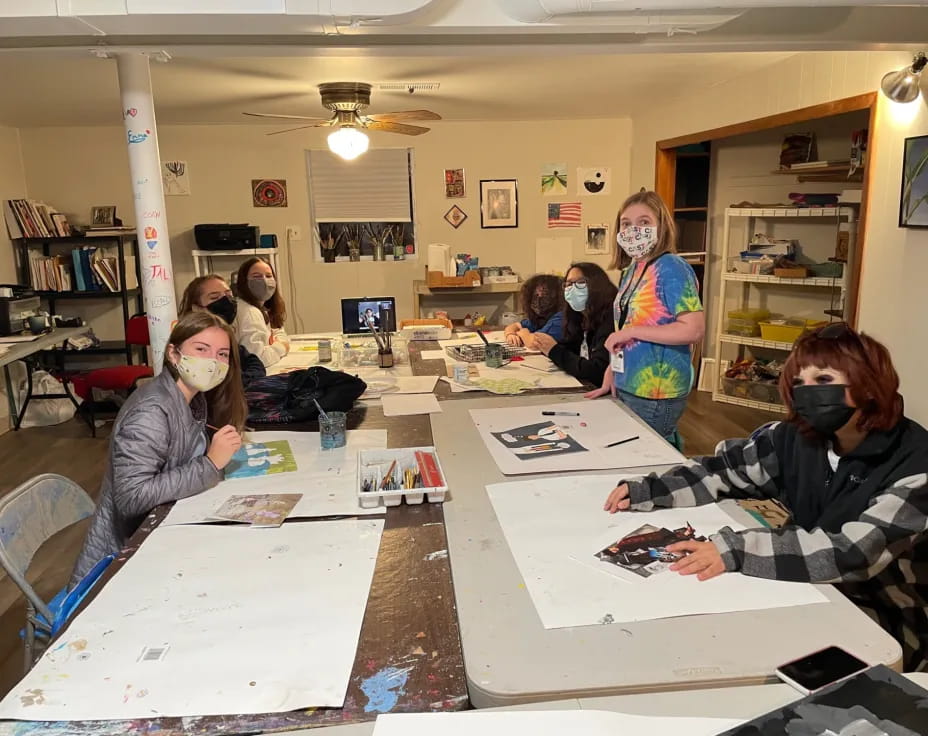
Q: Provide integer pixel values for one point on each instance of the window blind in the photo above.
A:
(372, 188)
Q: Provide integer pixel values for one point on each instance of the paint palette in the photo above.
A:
(386, 477)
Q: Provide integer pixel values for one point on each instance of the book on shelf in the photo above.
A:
(817, 165)
(85, 269)
(27, 218)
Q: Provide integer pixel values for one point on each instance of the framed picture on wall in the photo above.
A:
(499, 203)
(913, 203)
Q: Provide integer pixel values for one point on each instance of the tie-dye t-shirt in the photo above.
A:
(667, 289)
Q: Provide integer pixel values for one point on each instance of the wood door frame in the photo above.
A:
(665, 168)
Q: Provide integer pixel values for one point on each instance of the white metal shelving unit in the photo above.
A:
(201, 257)
(825, 215)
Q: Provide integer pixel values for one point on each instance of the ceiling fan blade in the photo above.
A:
(291, 130)
(286, 117)
(392, 117)
(389, 127)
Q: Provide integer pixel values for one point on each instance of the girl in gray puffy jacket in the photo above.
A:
(160, 450)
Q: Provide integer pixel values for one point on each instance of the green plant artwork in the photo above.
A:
(913, 207)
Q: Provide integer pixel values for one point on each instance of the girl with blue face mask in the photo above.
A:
(587, 322)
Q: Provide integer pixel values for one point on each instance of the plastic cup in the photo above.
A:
(332, 430)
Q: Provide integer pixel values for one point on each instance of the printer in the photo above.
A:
(17, 304)
(227, 236)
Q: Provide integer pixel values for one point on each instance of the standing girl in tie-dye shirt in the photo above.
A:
(658, 316)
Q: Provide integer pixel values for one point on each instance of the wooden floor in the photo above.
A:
(69, 450)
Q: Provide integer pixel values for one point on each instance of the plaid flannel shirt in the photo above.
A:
(880, 560)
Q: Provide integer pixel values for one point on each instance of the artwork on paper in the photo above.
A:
(499, 204)
(596, 239)
(564, 214)
(260, 509)
(257, 459)
(176, 178)
(644, 551)
(454, 183)
(594, 180)
(876, 702)
(538, 440)
(554, 180)
(455, 217)
(913, 205)
(269, 192)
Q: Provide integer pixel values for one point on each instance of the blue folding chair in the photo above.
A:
(29, 515)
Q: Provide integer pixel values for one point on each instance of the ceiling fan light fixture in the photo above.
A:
(902, 85)
(348, 143)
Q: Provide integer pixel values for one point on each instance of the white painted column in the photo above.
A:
(151, 224)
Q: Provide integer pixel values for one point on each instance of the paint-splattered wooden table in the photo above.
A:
(409, 655)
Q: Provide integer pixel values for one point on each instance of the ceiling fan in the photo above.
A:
(347, 100)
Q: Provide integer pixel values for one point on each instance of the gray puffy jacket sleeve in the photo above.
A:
(140, 480)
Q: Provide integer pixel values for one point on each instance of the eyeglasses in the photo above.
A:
(581, 282)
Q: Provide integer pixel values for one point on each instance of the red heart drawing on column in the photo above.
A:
(132, 112)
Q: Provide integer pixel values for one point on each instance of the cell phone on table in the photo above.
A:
(815, 671)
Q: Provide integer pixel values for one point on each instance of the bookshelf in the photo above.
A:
(130, 299)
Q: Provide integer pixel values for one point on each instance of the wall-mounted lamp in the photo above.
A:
(902, 85)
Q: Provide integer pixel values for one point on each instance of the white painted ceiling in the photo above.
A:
(67, 87)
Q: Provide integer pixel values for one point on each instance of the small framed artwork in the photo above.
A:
(454, 183)
(103, 216)
(499, 203)
(455, 217)
(596, 239)
(913, 202)
(269, 192)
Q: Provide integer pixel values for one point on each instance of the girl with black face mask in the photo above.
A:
(543, 303)
(211, 293)
(851, 469)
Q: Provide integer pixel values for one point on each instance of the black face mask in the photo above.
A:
(543, 304)
(226, 308)
(823, 407)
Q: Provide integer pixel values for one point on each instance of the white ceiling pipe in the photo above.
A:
(539, 11)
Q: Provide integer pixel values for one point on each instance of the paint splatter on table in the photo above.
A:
(409, 657)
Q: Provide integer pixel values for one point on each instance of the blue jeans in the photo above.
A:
(661, 415)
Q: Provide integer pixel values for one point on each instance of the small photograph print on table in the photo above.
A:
(644, 552)
(325, 479)
(589, 427)
(555, 526)
(192, 625)
(533, 440)
(877, 702)
(544, 723)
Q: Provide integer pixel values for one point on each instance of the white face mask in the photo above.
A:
(201, 374)
(637, 242)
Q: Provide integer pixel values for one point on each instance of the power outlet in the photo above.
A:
(294, 232)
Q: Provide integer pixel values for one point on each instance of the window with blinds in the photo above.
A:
(362, 208)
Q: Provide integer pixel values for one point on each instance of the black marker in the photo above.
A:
(622, 442)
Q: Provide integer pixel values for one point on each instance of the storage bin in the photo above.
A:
(801, 272)
(787, 330)
(736, 387)
(749, 313)
(376, 463)
(760, 391)
(743, 327)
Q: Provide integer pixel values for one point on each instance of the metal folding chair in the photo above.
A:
(29, 515)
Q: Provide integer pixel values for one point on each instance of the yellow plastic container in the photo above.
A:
(754, 315)
(787, 330)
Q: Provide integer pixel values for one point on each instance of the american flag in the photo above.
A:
(564, 214)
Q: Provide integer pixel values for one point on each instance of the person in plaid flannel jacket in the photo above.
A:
(848, 465)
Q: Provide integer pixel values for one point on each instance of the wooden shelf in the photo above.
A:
(791, 212)
(833, 283)
(86, 294)
(756, 342)
(750, 403)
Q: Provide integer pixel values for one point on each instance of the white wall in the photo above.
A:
(892, 297)
(222, 161)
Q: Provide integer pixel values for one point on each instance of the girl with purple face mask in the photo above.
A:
(658, 316)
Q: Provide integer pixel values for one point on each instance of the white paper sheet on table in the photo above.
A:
(546, 723)
(433, 355)
(326, 478)
(212, 621)
(605, 422)
(398, 405)
(416, 384)
(18, 338)
(548, 521)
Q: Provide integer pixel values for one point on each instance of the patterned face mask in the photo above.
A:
(637, 242)
(544, 303)
(201, 374)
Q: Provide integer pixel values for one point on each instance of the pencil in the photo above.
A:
(389, 475)
(622, 442)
